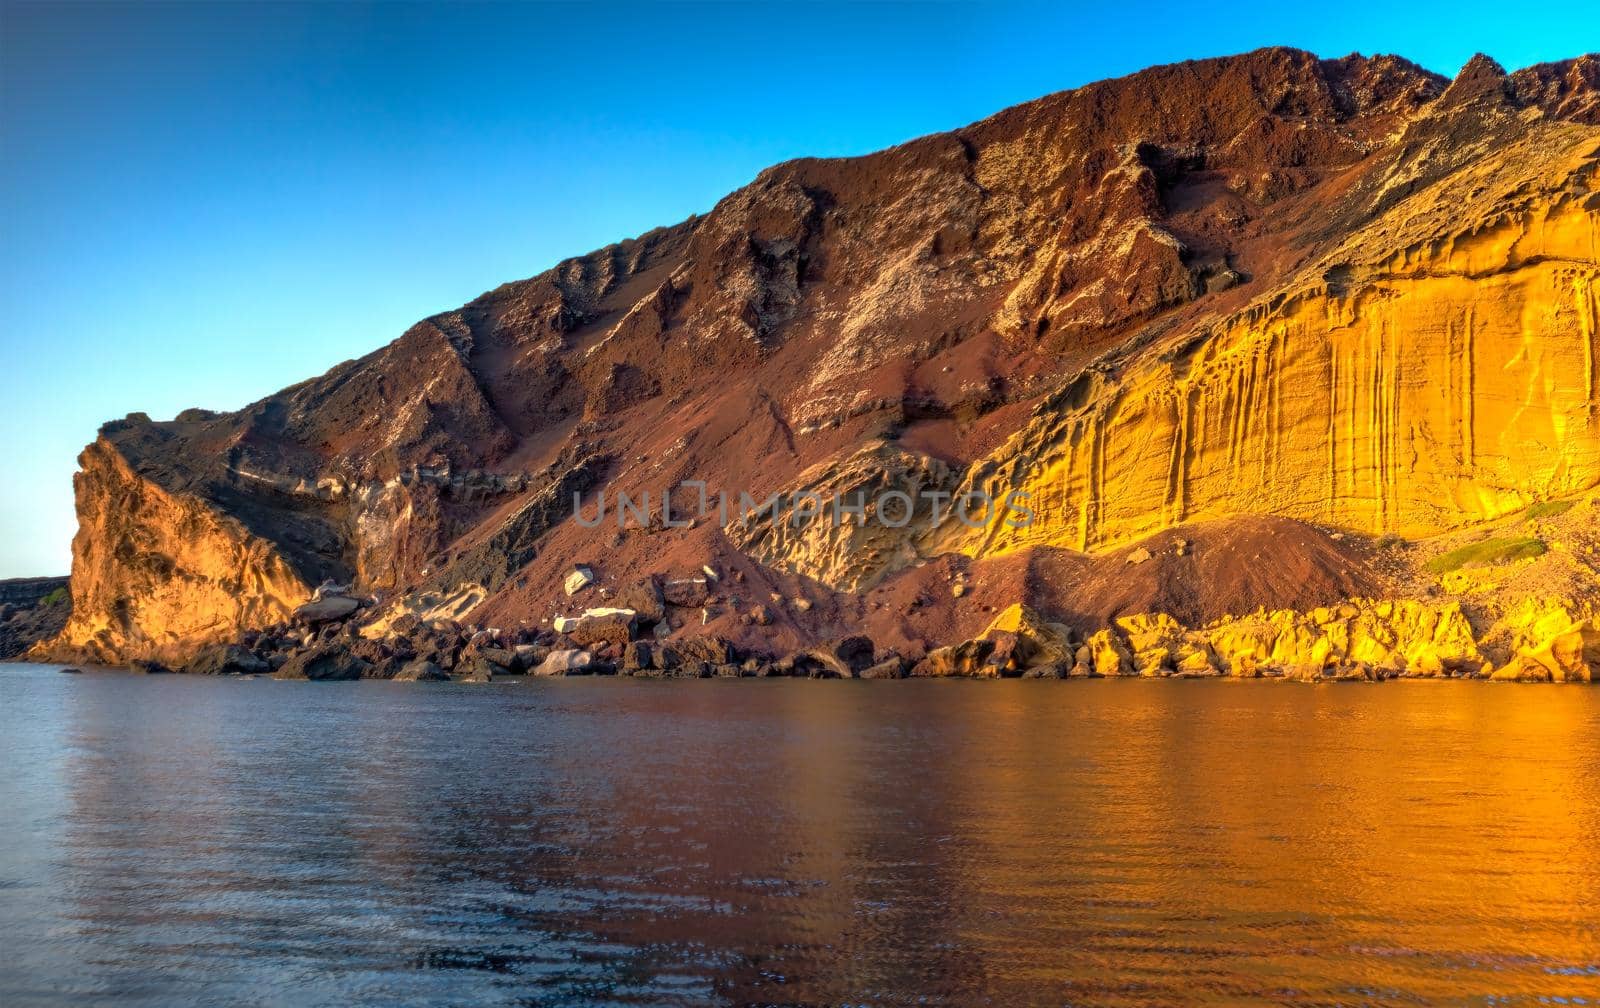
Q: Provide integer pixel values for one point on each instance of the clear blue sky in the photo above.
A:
(202, 204)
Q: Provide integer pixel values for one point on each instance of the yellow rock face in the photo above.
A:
(1395, 637)
(1570, 655)
(1108, 655)
(156, 575)
(1362, 639)
(1161, 646)
(1427, 375)
(834, 545)
(1047, 642)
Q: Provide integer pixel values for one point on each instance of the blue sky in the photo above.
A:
(202, 204)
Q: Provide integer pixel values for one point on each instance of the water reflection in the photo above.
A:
(798, 842)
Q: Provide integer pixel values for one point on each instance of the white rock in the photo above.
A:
(580, 578)
(565, 624)
(562, 662)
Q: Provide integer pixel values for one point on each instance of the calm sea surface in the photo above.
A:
(176, 840)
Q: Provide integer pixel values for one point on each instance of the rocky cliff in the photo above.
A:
(1320, 321)
(31, 610)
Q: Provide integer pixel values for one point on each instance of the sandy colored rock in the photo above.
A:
(1048, 642)
(579, 579)
(564, 663)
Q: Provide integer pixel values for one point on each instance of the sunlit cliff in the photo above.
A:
(1332, 318)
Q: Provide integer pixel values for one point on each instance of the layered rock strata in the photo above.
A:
(1306, 306)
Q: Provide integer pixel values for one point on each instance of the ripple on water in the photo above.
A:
(607, 842)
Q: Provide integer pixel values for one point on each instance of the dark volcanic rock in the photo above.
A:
(969, 658)
(855, 652)
(690, 592)
(638, 655)
(421, 670)
(712, 649)
(475, 667)
(506, 658)
(644, 598)
(326, 663)
(889, 668)
(611, 628)
(226, 659)
(33, 610)
(330, 609)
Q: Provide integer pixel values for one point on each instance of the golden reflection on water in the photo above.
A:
(727, 842)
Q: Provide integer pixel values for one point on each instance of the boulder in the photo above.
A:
(713, 649)
(567, 662)
(530, 656)
(148, 668)
(644, 598)
(445, 654)
(855, 652)
(692, 669)
(1110, 657)
(331, 609)
(821, 663)
(600, 626)
(969, 658)
(226, 659)
(889, 668)
(474, 670)
(1040, 642)
(1010, 654)
(324, 663)
(506, 658)
(578, 579)
(638, 655)
(477, 667)
(687, 593)
(421, 670)
(1049, 670)
(1570, 655)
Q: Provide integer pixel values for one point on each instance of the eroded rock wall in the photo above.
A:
(1447, 382)
(157, 574)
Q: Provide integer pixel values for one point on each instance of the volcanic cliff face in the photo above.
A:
(1230, 296)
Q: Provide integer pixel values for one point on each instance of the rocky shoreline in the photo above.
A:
(649, 632)
(31, 610)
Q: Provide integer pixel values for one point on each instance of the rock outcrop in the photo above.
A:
(1251, 320)
(31, 610)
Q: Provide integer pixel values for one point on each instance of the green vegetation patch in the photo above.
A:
(1548, 509)
(54, 598)
(1490, 551)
